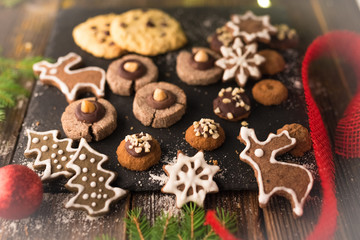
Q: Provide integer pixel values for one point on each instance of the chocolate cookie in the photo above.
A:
(302, 136)
(232, 104)
(159, 104)
(269, 92)
(130, 73)
(198, 68)
(222, 37)
(274, 62)
(89, 118)
(205, 134)
(138, 152)
(286, 37)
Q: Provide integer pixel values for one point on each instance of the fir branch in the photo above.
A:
(228, 220)
(137, 225)
(165, 227)
(193, 222)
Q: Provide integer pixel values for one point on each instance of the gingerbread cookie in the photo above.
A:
(251, 27)
(289, 180)
(205, 135)
(91, 182)
(138, 152)
(93, 36)
(71, 82)
(222, 37)
(52, 154)
(286, 37)
(269, 92)
(302, 136)
(190, 179)
(147, 32)
(130, 73)
(198, 67)
(232, 104)
(274, 62)
(240, 62)
(159, 104)
(89, 118)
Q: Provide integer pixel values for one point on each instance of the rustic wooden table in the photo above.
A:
(333, 87)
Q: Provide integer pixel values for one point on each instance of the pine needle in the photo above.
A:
(165, 227)
(137, 225)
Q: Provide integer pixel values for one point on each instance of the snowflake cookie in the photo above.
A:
(190, 178)
(251, 27)
(290, 180)
(91, 182)
(52, 154)
(240, 62)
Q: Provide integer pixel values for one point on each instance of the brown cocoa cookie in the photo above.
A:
(205, 135)
(286, 37)
(269, 92)
(198, 68)
(274, 62)
(90, 119)
(130, 73)
(153, 106)
(138, 152)
(302, 136)
(232, 104)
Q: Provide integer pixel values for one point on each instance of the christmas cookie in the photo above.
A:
(89, 118)
(52, 154)
(222, 37)
(269, 92)
(232, 104)
(274, 62)
(251, 27)
(190, 179)
(240, 61)
(159, 104)
(198, 67)
(71, 82)
(205, 134)
(286, 37)
(289, 180)
(91, 182)
(302, 136)
(147, 32)
(130, 73)
(93, 36)
(138, 152)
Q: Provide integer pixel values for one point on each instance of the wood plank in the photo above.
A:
(53, 221)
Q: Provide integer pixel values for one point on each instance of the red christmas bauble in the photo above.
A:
(21, 192)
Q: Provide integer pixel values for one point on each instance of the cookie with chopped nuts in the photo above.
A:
(198, 67)
(232, 104)
(93, 36)
(222, 37)
(130, 73)
(205, 135)
(138, 152)
(285, 37)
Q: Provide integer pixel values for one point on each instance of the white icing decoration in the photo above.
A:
(101, 179)
(85, 170)
(44, 148)
(93, 184)
(105, 196)
(93, 204)
(56, 161)
(93, 174)
(234, 24)
(264, 197)
(53, 71)
(86, 196)
(236, 59)
(70, 95)
(190, 179)
(45, 138)
(84, 178)
(259, 152)
(60, 151)
(82, 157)
(100, 190)
(93, 195)
(99, 196)
(48, 173)
(35, 140)
(59, 166)
(116, 192)
(63, 158)
(55, 146)
(92, 160)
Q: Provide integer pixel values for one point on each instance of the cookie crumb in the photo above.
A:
(244, 123)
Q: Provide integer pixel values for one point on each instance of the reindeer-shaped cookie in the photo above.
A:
(71, 82)
(292, 181)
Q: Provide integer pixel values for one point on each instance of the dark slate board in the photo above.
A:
(47, 104)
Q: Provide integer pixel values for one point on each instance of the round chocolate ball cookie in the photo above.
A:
(159, 104)
(138, 152)
(129, 73)
(198, 67)
(89, 118)
(274, 62)
(270, 92)
(205, 134)
(232, 104)
(302, 136)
